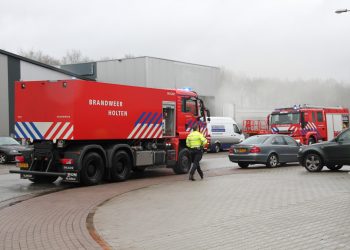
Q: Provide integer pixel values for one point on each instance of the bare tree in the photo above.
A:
(74, 56)
(40, 57)
(71, 57)
(129, 56)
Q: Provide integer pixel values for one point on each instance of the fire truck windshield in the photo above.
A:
(285, 118)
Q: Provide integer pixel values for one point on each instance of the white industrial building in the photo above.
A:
(14, 68)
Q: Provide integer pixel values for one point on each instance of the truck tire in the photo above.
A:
(243, 164)
(93, 169)
(313, 162)
(334, 167)
(43, 179)
(121, 166)
(184, 162)
(272, 161)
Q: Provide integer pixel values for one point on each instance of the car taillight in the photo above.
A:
(19, 158)
(255, 149)
(230, 151)
(66, 161)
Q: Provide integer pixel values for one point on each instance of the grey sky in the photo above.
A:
(262, 38)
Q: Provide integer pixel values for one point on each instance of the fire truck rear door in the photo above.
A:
(334, 124)
(168, 118)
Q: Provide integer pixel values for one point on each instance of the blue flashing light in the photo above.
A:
(186, 88)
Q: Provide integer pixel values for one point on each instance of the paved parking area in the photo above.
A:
(62, 220)
(233, 208)
(259, 208)
(13, 189)
(4, 168)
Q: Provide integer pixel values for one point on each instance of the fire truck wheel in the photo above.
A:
(272, 161)
(93, 168)
(217, 147)
(43, 179)
(121, 166)
(334, 167)
(311, 141)
(243, 164)
(313, 162)
(184, 162)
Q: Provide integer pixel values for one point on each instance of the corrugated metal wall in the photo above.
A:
(30, 72)
(161, 73)
(126, 71)
(172, 74)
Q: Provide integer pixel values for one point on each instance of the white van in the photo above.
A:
(223, 133)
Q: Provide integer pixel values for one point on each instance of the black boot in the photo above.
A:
(191, 178)
(200, 172)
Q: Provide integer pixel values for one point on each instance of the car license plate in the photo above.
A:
(22, 165)
(241, 150)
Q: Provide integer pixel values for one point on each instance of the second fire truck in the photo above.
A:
(307, 124)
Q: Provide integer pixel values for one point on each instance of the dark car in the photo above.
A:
(272, 150)
(332, 154)
(9, 148)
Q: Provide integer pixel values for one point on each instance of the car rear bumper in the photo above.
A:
(11, 156)
(253, 158)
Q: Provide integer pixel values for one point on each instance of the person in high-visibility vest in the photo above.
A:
(195, 141)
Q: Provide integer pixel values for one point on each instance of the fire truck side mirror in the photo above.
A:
(208, 114)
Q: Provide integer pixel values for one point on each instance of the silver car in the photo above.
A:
(272, 150)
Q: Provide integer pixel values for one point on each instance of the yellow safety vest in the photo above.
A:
(195, 140)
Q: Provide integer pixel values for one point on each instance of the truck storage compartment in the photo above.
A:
(87, 110)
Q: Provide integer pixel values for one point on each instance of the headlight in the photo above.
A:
(13, 151)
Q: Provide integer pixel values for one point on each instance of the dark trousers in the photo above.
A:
(196, 155)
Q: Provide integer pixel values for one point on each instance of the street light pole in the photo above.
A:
(341, 11)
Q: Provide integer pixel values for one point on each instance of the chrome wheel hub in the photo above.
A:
(273, 161)
(312, 162)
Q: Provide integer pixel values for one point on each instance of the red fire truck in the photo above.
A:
(307, 124)
(85, 131)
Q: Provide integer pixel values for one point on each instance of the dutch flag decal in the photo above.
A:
(44, 130)
(148, 125)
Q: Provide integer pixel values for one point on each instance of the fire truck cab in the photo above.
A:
(309, 124)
